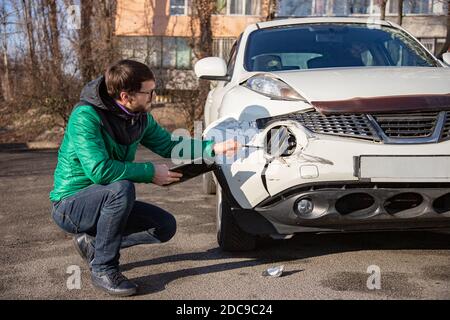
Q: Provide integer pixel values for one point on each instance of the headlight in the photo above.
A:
(284, 139)
(272, 87)
(280, 142)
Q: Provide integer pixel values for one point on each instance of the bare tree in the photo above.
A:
(6, 81)
(55, 50)
(107, 12)
(446, 46)
(49, 63)
(400, 12)
(96, 49)
(201, 13)
(45, 40)
(382, 4)
(28, 22)
(85, 42)
(54, 43)
(270, 9)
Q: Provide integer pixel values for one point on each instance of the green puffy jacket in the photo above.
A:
(100, 144)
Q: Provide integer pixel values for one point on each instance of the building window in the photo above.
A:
(176, 53)
(184, 54)
(236, 7)
(299, 8)
(350, 7)
(179, 7)
(239, 7)
(144, 49)
(296, 8)
(359, 6)
(419, 6)
(221, 7)
(439, 45)
(222, 47)
(340, 8)
(320, 7)
(440, 7)
(416, 6)
(158, 52)
(169, 49)
(154, 51)
(429, 43)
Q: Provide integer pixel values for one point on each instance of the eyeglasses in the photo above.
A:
(146, 92)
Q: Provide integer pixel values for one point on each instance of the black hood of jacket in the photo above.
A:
(123, 127)
(96, 94)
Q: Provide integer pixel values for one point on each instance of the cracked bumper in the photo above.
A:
(330, 172)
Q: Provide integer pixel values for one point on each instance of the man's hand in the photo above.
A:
(229, 147)
(163, 176)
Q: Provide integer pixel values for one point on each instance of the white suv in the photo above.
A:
(347, 127)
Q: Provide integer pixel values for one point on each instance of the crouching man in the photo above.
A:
(94, 195)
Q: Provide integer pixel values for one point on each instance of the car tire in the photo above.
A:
(208, 183)
(229, 235)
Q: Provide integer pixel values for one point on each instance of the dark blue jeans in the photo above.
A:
(111, 214)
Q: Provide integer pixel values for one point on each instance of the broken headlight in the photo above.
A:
(272, 87)
(280, 142)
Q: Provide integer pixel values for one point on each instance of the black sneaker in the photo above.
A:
(83, 243)
(114, 283)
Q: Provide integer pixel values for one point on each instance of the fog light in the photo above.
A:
(305, 207)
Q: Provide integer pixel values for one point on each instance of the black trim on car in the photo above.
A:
(345, 184)
(252, 222)
(225, 188)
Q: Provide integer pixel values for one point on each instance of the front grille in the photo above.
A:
(418, 127)
(352, 125)
(446, 130)
(414, 125)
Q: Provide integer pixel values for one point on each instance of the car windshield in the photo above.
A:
(328, 45)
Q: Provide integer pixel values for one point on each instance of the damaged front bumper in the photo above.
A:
(329, 182)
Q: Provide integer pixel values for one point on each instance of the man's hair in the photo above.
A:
(126, 75)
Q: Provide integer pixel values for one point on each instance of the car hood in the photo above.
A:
(372, 89)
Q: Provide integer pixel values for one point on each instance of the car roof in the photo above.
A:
(294, 21)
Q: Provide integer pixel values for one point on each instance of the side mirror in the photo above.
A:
(212, 68)
(446, 58)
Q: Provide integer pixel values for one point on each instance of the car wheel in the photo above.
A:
(208, 184)
(229, 235)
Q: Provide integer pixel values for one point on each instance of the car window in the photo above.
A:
(401, 54)
(332, 45)
(299, 60)
(232, 60)
(367, 58)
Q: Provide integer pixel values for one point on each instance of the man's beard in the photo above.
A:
(143, 108)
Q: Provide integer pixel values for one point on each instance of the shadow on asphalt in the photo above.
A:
(27, 162)
(301, 247)
(11, 147)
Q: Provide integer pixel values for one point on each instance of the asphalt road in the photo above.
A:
(35, 255)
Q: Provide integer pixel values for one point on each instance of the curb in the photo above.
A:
(42, 145)
(34, 145)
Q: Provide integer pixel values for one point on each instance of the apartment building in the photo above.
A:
(425, 19)
(158, 32)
